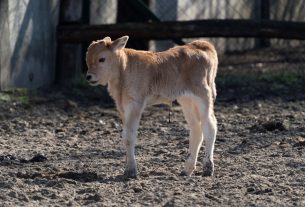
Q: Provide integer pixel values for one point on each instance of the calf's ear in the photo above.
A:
(108, 39)
(119, 43)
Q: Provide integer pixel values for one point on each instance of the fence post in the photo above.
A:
(85, 20)
(161, 7)
(69, 58)
(126, 13)
(264, 14)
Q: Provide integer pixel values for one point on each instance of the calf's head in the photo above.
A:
(103, 60)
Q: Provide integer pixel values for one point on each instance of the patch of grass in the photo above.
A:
(25, 100)
(245, 85)
(4, 97)
(81, 82)
(286, 78)
(21, 96)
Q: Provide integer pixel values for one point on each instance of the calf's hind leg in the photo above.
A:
(195, 140)
(209, 126)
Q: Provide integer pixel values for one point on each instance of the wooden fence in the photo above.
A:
(70, 35)
(185, 29)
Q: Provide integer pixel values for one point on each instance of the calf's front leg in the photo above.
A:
(132, 115)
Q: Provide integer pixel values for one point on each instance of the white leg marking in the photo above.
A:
(132, 118)
(195, 142)
(209, 126)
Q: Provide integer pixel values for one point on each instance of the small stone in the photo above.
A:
(115, 125)
(259, 65)
(300, 142)
(95, 197)
(101, 122)
(61, 135)
(235, 107)
(259, 105)
(284, 145)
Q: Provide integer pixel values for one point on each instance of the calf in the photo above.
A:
(139, 78)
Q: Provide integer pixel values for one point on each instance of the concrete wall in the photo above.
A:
(183, 10)
(166, 11)
(103, 11)
(27, 44)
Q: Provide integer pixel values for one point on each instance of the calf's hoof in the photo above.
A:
(189, 167)
(186, 173)
(130, 173)
(208, 169)
(183, 173)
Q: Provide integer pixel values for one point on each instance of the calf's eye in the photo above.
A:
(101, 60)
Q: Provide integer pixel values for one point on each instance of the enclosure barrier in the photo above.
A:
(184, 29)
(135, 19)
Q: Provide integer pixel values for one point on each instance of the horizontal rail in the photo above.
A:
(183, 29)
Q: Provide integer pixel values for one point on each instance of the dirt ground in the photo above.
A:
(66, 150)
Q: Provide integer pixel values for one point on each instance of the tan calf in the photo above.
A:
(139, 78)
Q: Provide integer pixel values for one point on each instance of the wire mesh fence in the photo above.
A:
(231, 9)
(281, 10)
(105, 12)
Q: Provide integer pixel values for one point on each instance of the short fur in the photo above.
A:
(139, 78)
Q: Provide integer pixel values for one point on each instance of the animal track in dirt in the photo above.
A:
(77, 176)
(269, 126)
(11, 159)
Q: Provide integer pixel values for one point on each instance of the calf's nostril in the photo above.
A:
(88, 77)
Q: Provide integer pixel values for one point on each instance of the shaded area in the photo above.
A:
(262, 74)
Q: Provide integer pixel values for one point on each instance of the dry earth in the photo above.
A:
(63, 150)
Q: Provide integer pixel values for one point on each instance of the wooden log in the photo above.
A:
(184, 29)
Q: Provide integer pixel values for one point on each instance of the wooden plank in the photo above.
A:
(184, 29)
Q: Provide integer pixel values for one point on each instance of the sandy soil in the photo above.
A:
(60, 150)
